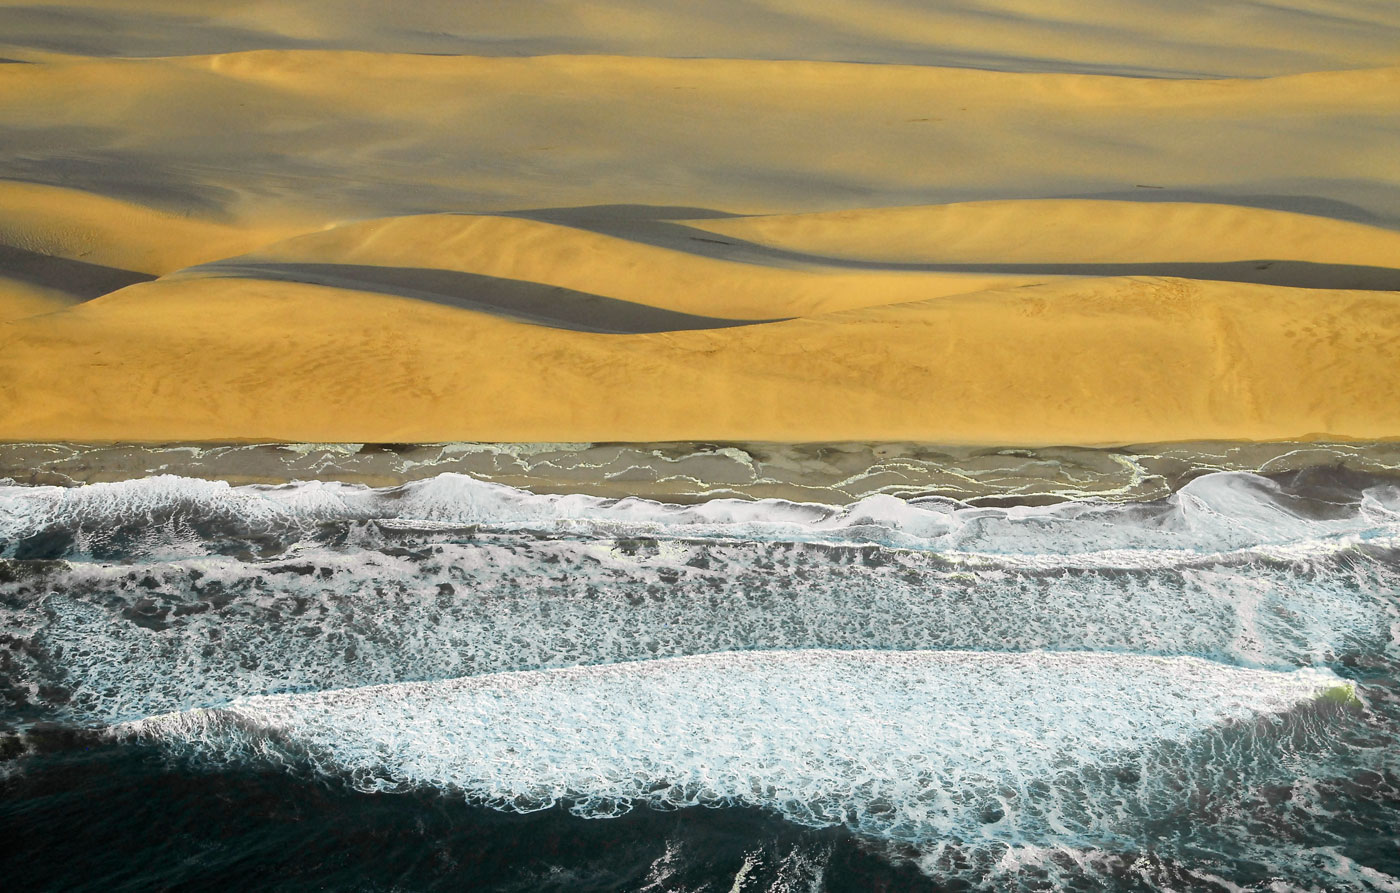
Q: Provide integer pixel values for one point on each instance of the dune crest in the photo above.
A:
(662, 265)
(1109, 360)
(80, 225)
(987, 222)
(1173, 38)
(1067, 231)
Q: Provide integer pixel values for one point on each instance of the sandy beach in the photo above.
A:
(984, 224)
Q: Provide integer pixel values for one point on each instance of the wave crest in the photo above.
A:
(907, 746)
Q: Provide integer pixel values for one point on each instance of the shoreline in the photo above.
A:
(684, 472)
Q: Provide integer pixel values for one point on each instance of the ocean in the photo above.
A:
(731, 667)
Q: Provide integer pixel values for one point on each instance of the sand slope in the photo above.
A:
(1067, 231)
(1106, 360)
(20, 299)
(326, 136)
(663, 265)
(986, 222)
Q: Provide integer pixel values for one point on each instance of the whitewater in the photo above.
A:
(994, 695)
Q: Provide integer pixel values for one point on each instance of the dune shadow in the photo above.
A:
(532, 302)
(72, 29)
(78, 278)
(1263, 271)
(83, 159)
(1311, 205)
(619, 214)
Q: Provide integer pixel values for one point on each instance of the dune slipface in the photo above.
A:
(752, 445)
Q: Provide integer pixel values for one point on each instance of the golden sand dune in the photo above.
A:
(125, 235)
(1067, 231)
(1026, 223)
(1085, 361)
(687, 272)
(804, 265)
(455, 326)
(328, 136)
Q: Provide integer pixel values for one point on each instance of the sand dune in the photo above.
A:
(1068, 231)
(1024, 223)
(455, 326)
(328, 136)
(673, 275)
(1135, 37)
(123, 235)
(1087, 361)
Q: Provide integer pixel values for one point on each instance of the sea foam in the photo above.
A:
(110, 642)
(166, 516)
(908, 746)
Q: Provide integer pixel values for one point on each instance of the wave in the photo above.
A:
(168, 516)
(109, 642)
(911, 746)
(982, 692)
(173, 593)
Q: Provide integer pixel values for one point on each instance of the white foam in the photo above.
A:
(1212, 514)
(912, 745)
(112, 642)
(108, 643)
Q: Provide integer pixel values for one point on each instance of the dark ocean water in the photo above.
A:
(121, 818)
(452, 684)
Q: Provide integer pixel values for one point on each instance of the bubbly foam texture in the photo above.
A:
(103, 643)
(1014, 696)
(911, 746)
(166, 516)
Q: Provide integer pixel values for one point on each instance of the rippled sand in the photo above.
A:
(985, 223)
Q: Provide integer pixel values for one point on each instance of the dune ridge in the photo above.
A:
(504, 328)
(1176, 38)
(1067, 230)
(1086, 361)
(989, 222)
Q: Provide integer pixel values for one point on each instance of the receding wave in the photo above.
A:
(207, 592)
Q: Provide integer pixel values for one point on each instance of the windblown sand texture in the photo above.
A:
(1005, 221)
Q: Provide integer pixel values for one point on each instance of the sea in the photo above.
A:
(700, 667)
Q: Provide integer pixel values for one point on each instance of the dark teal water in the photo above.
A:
(455, 685)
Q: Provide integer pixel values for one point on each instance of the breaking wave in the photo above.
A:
(908, 746)
(166, 516)
(1064, 695)
(110, 642)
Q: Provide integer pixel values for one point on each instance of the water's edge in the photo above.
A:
(880, 666)
(833, 473)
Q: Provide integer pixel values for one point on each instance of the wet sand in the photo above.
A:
(832, 473)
